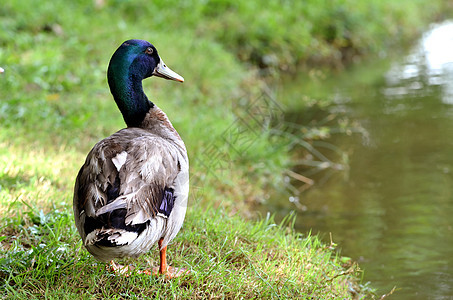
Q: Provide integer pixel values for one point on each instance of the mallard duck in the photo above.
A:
(132, 190)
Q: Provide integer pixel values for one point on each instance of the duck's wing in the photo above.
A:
(127, 180)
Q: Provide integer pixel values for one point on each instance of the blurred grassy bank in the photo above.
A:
(55, 104)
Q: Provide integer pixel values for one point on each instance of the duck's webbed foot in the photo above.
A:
(170, 273)
(163, 269)
(119, 269)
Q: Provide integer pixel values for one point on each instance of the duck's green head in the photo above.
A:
(132, 62)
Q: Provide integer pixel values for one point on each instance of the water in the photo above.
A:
(392, 211)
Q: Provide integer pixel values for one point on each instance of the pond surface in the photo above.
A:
(392, 210)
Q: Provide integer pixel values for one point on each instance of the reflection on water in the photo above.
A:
(430, 63)
(393, 212)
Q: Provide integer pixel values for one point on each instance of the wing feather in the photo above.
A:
(145, 165)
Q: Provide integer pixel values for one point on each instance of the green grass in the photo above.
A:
(227, 258)
(55, 105)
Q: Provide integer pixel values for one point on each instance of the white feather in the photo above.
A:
(119, 160)
(120, 202)
(123, 238)
(141, 244)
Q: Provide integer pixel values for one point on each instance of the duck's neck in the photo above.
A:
(130, 98)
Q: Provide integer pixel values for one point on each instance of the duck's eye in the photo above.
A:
(149, 50)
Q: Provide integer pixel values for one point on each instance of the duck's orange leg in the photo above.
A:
(163, 258)
(168, 271)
